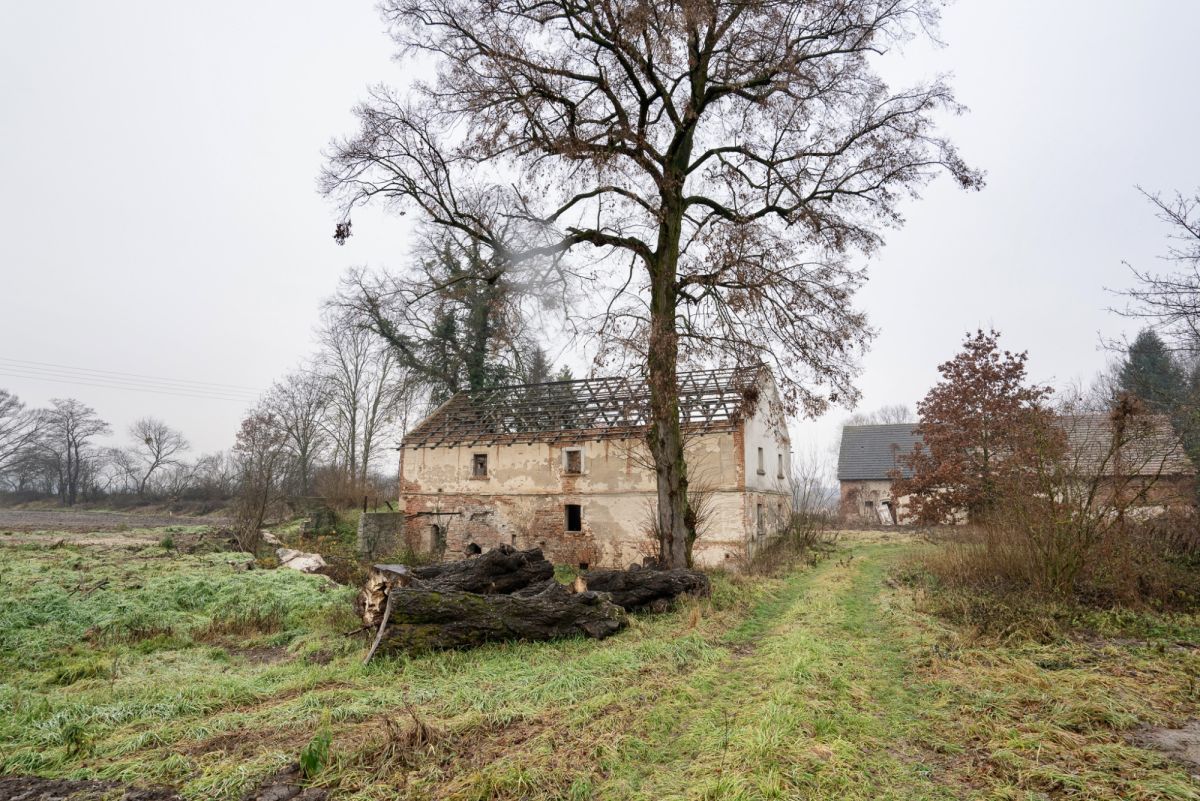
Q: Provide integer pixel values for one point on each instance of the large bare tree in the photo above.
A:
(453, 320)
(299, 403)
(364, 387)
(156, 446)
(725, 159)
(70, 428)
(1170, 300)
(19, 430)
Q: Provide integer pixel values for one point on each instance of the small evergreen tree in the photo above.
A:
(538, 368)
(1151, 374)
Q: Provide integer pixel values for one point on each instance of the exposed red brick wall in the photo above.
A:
(484, 521)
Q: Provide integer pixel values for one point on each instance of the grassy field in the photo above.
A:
(148, 666)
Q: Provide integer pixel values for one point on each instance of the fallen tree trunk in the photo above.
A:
(424, 620)
(641, 588)
(501, 570)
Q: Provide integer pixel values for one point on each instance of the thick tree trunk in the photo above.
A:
(638, 589)
(424, 620)
(500, 571)
(676, 523)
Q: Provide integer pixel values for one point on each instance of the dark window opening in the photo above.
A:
(437, 537)
(479, 465)
(574, 461)
(574, 517)
(583, 565)
(762, 471)
(474, 550)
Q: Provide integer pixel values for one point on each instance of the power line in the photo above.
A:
(122, 383)
(237, 388)
(97, 381)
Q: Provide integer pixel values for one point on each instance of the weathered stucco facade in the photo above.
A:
(872, 503)
(587, 495)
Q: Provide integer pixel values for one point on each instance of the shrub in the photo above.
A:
(801, 537)
(1131, 563)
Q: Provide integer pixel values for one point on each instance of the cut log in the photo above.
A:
(424, 620)
(501, 570)
(640, 588)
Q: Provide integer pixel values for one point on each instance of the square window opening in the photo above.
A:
(573, 461)
(479, 466)
(574, 515)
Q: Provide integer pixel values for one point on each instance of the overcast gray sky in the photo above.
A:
(160, 216)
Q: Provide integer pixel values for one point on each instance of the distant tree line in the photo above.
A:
(56, 452)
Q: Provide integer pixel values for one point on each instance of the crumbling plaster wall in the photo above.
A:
(854, 497)
(768, 488)
(521, 500)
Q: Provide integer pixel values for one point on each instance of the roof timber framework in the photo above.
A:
(592, 408)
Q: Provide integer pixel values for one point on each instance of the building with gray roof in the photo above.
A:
(868, 459)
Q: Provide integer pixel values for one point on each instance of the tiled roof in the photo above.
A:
(1150, 446)
(870, 453)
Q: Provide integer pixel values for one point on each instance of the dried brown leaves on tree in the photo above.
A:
(984, 432)
(719, 163)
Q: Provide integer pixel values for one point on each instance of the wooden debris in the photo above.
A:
(507, 594)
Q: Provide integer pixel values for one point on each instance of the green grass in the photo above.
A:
(832, 682)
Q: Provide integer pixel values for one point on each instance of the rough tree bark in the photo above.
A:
(422, 620)
(507, 594)
(499, 571)
(638, 589)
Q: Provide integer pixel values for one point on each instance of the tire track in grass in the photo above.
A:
(819, 708)
(574, 741)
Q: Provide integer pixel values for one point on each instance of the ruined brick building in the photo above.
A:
(564, 466)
